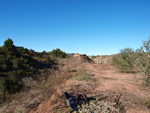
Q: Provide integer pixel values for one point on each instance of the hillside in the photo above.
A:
(20, 67)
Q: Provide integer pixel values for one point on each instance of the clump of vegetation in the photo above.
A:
(135, 61)
(100, 104)
(123, 61)
(58, 53)
(92, 57)
(95, 106)
(17, 63)
(82, 74)
(146, 102)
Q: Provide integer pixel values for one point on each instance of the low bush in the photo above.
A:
(145, 102)
(123, 61)
(17, 63)
(58, 53)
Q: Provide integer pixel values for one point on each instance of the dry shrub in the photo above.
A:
(51, 79)
(38, 90)
(97, 103)
(145, 102)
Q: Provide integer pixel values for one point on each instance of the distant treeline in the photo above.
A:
(19, 62)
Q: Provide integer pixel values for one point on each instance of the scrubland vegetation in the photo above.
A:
(59, 53)
(28, 77)
(135, 61)
(18, 66)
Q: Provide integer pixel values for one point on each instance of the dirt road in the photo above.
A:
(109, 82)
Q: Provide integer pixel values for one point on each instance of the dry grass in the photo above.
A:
(83, 75)
(145, 102)
(97, 103)
(109, 78)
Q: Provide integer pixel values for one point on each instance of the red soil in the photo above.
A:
(108, 81)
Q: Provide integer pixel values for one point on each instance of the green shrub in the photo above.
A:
(142, 62)
(135, 61)
(93, 57)
(123, 61)
(58, 53)
(16, 63)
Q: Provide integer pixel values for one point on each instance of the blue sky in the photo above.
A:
(92, 27)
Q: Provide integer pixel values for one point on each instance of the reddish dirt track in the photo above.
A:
(108, 81)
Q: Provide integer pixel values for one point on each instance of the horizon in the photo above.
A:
(100, 27)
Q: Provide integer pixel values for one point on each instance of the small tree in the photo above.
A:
(44, 52)
(9, 46)
(59, 53)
